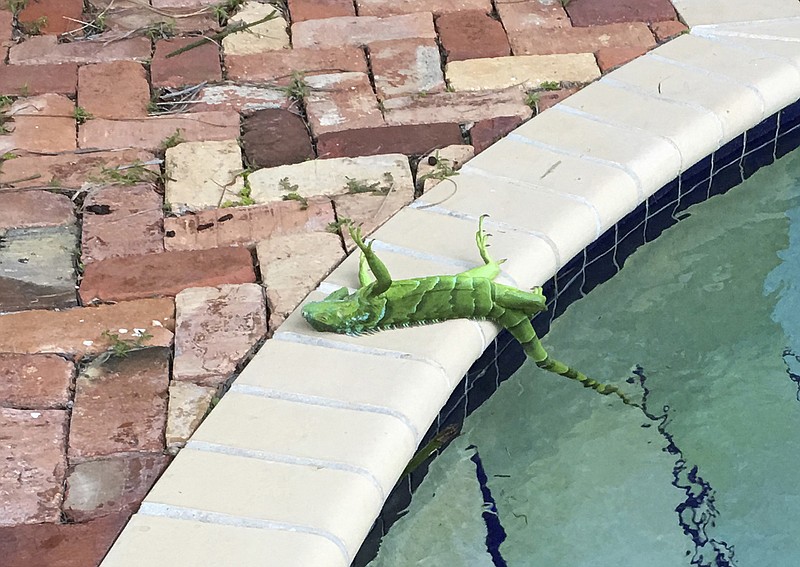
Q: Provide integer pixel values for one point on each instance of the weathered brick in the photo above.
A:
(551, 98)
(32, 465)
(120, 405)
(362, 30)
(341, 101)
(527, 16)
(29, 209)
(319, 9)
(80, 331)
(549, 41)
(239, 98)
(31, 80)
(369, 211)
(432, 165)
(406, 66)
(51, 16)
(121, 220)
(50, 113)
(597, 12)
(98, 487)
(456, 107)
(118, 89)
(665, 31)
(203, 175)
(245, 225)
(528, 71)
(609, 58)
(67, 171)
(278, 66)
(165, 274)
(35, 381)
(397, 7)
(292, 266)
(215, 329)
(471, 35)
(60, 545)
(266, 36)
(408, 139)
(188, 405)
(45, 49)
(191, 67)
(486, 132)
(6, 19)
(127, 17)
(150, 133)
(275, 137)
(37, 268)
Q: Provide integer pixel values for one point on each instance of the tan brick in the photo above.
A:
(406, 66)
(529, 71)
(150, 133)
(362, 30)
(266, 36)
(80, 331)
(118, 89)
(188, 405)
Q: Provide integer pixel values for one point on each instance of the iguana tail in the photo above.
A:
(520, 327)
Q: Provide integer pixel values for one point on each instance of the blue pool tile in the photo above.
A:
(730, 153)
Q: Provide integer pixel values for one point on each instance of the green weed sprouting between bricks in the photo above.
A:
(442, 169)
(161, 30)
(336, 226)
(355, 186)
(122, 347)
(34, 27)
(550, 86)
(16, 6)
(297, 89)
(81, 115)
(127, 175)
(292, 193)
(172, 140)
(245, 193)
(224, 10)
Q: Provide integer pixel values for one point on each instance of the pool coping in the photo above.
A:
(294, 464)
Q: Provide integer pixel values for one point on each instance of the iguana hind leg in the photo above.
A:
(491, 268)
(382, 277)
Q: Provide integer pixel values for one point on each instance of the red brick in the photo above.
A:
(60, 545)
(6, 18)
(35, 381)
(273, 137)
(67, 171)
(55, 14)
(150, 133)
(121, 405)
(609, 58)
(278, 66)
(362, 30)
(125, 17)
(551, 98)
(32, 465)
(667, 30)
(397, 7)
(102, 486)
(486, 132)
(580, 40)
(188, 68)
(215, 329)
(301, 10)
(28, 209)
(121, 220)
(341, 101)
(44, 49)
(406, 66)
(245, 225)
(409, 140)
(527, 16)
(239, 98)
(118, 89)
(598, 12)
(31, 80)
(471, 35)
(79, 331)
(150, 275)
(52, 114)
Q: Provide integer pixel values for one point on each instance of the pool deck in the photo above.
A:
(294, 463)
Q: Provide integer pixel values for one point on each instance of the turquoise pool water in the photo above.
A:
(703, 325)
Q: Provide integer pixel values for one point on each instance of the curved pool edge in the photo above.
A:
(317, 429)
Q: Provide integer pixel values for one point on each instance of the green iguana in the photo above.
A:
(381, 303)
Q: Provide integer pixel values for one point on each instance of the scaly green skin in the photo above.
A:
(381, 304)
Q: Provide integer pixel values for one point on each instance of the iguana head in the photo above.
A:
(343, 312)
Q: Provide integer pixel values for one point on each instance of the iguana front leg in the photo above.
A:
(382, 277)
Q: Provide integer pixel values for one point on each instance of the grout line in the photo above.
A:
(206, 517)
(730, 42)
(268, 456)
(320, 401)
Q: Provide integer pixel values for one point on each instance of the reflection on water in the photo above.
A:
(703, 324)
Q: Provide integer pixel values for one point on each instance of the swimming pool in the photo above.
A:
(702, 325)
